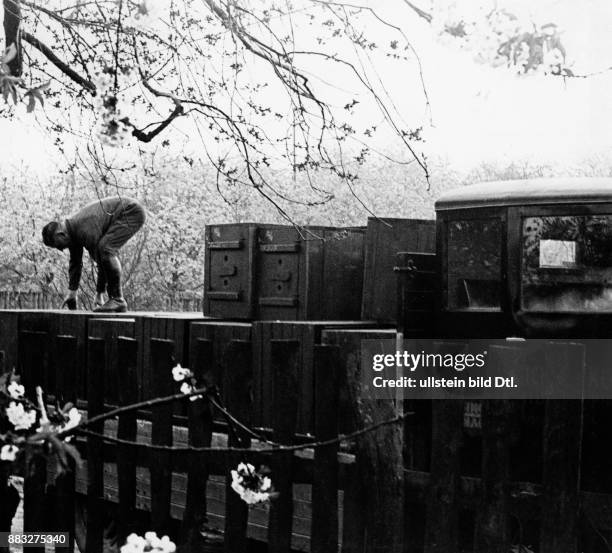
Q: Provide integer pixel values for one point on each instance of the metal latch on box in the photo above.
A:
(410, 267)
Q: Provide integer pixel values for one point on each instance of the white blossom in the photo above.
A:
(74, 419)
(15, 390)
(250, 485)
(187, 388)
(8, 452)
(19, 417)
(150, 543)
(180, 373)
(266, 484)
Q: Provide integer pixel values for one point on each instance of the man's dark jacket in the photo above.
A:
(101, 227)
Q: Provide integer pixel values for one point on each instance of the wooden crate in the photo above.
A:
(307, 333)
(35, 355)
(57, 340)
(110, 329)
(165, 326)
(385, 238)
(218, 334)
(277, 272)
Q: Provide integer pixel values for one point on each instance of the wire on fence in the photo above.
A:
(207, 392)
(276, 448)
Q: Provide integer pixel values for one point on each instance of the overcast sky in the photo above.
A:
(479, 113)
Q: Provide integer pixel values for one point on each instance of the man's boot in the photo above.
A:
(115, 303)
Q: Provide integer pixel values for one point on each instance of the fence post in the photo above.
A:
(374, 505)
(200, 435)
(237, 376)
(284, 369)
(442, 525)
(65, 379)
(35, 516)
(561, 459)
(324, 534)
(33, 358)
(492, 534)
(127, 375)
(33, 349)
(162, 359)
(95, 447)
(66, 369)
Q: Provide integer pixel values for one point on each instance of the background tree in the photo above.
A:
(256, 78)
(290, 102)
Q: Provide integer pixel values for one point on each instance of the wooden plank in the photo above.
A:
(162, 357)
(498, 417)
(127, 385)
(110, 328)
(385, 238)
(492, 532)
(416, 281)
(324, 538)
(261, 372)
(561, 470)
(66, 369)
(221, 333)
(343, 267)
(75, 324)
(95, 448)
(378, 454)
(200, 435)
(66, 359)
(307, 333)
(236, 382)
(33, 359)
(9, 328)
(441, 531)
(284, 369)
(34, 494)
(65, 506)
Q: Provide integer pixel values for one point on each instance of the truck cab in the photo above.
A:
(528, 258)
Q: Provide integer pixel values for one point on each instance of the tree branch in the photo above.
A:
(61, 65)
(12, 21)
(143, 136)
(426, 16)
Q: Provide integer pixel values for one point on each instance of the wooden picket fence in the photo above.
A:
(38, 299)
(29, 299)
(521, 473)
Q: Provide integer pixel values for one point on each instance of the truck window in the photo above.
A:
(567, 263)
(474, 264)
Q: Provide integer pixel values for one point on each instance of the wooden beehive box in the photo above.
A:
(165, 326)
(110, 329)
(385, 238)
(277, 272)
(308, 334)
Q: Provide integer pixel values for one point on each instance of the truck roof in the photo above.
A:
(528, 192)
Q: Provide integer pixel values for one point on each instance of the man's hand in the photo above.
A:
(99, 300)
(70, 301)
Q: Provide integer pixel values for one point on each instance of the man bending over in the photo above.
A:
(101, 227)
